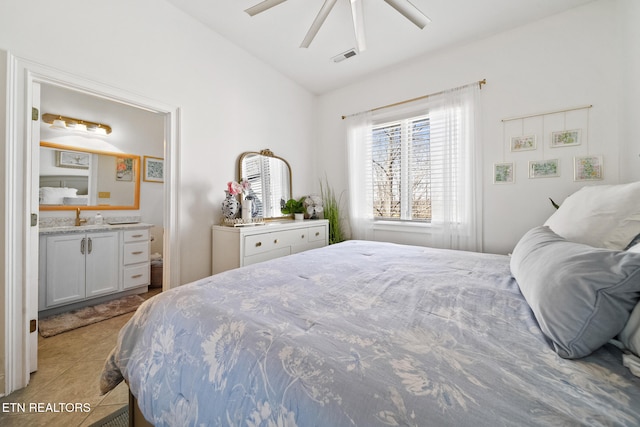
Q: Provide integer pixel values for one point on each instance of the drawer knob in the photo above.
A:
(302, 237)
(258, 244)
(317, 233)
(135, 276)
(275, 242)
(137, 252)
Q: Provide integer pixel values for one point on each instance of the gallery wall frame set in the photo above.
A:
(586, 167)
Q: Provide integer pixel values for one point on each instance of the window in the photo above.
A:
(401, 170)
(415, 168)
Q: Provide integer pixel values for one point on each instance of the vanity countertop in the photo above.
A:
(92, 227)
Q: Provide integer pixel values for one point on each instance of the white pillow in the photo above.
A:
(603, 216)
(630, 335)
(55, 196)
(75, 201)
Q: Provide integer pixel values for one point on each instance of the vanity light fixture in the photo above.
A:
(80, 126)
(59, 124)
(62, 122)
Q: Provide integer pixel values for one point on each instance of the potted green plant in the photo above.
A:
(331, 207)
(294, 207)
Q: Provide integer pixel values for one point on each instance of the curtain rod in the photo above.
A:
(583, 107)
(479, 82)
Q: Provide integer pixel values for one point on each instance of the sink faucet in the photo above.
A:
(79, 221)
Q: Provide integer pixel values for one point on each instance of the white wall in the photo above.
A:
(629, 14)
(230, 102)
(567, 60)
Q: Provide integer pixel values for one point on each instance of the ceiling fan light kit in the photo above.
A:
(404, 7)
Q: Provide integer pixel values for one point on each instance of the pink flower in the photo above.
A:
(235, 188)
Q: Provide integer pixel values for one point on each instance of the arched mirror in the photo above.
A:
(270, 179)
(72, 177)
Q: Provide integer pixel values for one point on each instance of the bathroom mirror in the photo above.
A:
(72, 177)
(270, 179)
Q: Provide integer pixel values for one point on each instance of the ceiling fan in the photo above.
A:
(405, 7)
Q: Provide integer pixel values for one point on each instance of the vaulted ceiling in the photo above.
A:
(275, 35)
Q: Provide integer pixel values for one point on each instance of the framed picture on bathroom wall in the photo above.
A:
(153, 169)
(72, 159)
(124, 169)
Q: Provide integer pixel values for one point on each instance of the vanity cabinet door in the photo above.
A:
(65, 269)
(81, 265)
(102, 263)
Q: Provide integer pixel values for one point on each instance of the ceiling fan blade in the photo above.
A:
(358, 24)
(317, 23)
(262, 6)
(410, 12)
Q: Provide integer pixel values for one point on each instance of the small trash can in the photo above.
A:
(156, 274)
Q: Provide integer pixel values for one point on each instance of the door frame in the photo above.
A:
(20, 253)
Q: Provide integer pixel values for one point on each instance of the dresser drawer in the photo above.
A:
(136, 235)
(135, 253)
(136, 276)
(261, 243)
(317, 233)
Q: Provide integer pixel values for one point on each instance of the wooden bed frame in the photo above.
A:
(136, 419)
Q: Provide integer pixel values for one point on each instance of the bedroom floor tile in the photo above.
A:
(69, 365)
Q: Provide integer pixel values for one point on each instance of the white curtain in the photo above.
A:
(456, 168)
(457, 183)
(359, 161)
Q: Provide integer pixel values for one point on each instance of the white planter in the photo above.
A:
(298, 216)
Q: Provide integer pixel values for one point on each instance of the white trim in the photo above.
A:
(17, 258)
(14, 333)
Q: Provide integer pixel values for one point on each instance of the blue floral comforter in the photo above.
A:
(361, 334)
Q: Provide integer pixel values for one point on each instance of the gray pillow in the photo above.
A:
(581, 296)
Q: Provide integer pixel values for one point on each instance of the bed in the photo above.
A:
(69, 190)
(374, 334)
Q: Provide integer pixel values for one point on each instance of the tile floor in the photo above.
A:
(69, 366)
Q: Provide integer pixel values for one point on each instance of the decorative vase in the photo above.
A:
(230, 206)
(246, 209)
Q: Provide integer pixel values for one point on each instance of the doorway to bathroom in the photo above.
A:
(22, 160)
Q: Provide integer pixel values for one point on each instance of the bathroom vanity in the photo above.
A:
(82, 265)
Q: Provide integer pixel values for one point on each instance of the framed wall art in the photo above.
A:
(587, 168)
(544, 168)
(523, 143)
(124, 169)
(565, 138)
(503, 173)
(153, 169)
(72, 159)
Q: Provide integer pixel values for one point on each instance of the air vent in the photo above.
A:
(344, 55)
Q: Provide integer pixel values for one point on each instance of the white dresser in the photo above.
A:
(234, 247)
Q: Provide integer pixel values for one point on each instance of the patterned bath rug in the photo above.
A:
(64, 322)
